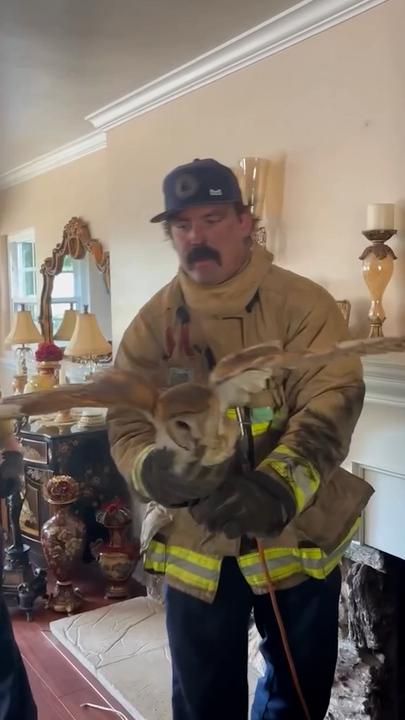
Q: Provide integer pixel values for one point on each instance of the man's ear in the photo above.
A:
(246, 221)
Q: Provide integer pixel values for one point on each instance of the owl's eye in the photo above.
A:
(182, 425)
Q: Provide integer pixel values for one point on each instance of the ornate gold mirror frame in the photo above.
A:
(76, 242)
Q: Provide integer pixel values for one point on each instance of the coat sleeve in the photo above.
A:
(131, 435)
(323, 403)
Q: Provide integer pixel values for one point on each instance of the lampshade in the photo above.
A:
(23, 329)
(67, 326)
(87, 340)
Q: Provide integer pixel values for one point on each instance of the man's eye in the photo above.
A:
(212, 219)
(181, 225)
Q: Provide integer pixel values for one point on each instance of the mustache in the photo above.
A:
(203, 252)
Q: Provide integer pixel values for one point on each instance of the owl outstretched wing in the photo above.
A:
(238, 376)
(112, 388)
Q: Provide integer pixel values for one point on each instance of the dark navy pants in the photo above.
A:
(209, 648)
(16, 701)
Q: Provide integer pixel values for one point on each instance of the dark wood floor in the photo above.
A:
(58, 682)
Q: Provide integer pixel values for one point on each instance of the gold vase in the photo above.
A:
(46, 377)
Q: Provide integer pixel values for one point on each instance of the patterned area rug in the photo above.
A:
(125, 647)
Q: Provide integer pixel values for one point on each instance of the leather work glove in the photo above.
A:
(172, 489)
(249, 502)
(11, 470)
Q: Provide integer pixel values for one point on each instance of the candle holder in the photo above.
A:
(377, 268)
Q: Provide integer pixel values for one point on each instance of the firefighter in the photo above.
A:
(200, 527)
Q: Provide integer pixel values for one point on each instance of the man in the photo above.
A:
(16, 701)
(200, 527)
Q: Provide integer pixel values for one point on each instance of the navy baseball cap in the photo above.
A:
(200, 182)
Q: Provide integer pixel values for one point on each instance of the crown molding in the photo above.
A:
(385, 383)
(63, 155)
(302, 21)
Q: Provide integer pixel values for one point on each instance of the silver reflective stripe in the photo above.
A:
(272, 564)
(204, 572)
(303, 481)
(158, 557)
(169, 558)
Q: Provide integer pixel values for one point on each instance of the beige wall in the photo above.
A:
(48, 201)
(333, 106)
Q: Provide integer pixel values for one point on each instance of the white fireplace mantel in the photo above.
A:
(385, 382)
(377, 454)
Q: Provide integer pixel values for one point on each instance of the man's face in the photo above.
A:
(212, 241)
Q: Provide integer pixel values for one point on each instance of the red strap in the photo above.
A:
(170, 343)
(185, 340)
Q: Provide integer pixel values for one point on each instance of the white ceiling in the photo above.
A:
(61, 60)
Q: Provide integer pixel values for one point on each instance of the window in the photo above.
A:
(69, 287)
(22, 271)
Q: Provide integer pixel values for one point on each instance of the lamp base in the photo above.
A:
(19, 383)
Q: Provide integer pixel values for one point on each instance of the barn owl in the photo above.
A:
(190, 418)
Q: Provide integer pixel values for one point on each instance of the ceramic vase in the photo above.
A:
(118, 556)
(62, 538)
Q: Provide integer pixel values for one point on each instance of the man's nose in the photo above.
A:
(196, 234)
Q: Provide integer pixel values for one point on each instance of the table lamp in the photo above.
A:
(87, 342)
(67, 325)
(23, 332)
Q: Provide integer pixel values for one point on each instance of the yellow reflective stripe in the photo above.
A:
(203, 571)
(207, 561)
(136, 475)
(155, 556)
(284, 562)
(300, 475)
(190, 578)
(191, 568)
(280, 419)
(258, 428)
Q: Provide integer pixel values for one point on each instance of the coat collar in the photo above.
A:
(231, 297)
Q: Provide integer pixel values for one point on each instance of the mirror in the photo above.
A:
(77, 274)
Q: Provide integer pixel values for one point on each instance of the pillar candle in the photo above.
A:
(380, 216)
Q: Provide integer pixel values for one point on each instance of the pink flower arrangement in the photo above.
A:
(48, 351)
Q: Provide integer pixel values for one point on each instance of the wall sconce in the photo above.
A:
(253, 175)
(378, 260)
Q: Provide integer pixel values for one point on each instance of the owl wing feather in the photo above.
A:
(238, 376)
(112, 388)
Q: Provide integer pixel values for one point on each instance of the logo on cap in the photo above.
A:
(215, 193)
(185, 186)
